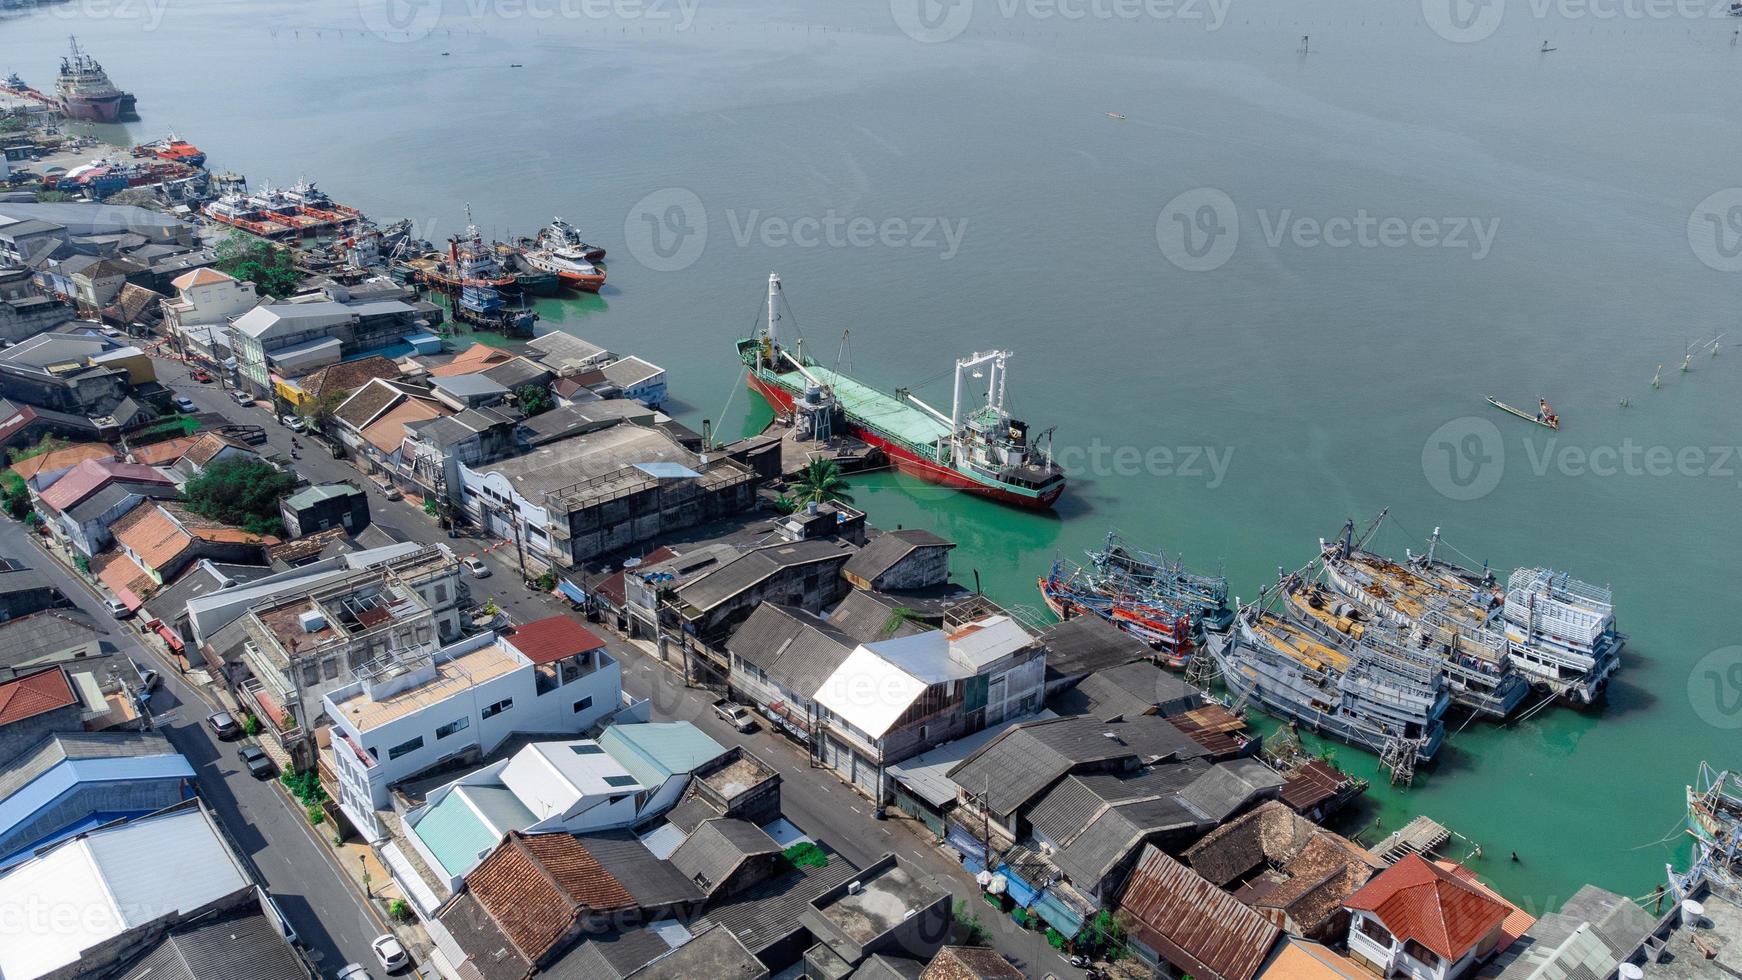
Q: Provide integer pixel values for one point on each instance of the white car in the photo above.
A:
(293, 422)
(391, 954)
(353, 971)
(476, 568)
(186, 404)
(241, 398)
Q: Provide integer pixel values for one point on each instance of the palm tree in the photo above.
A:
(821, 482)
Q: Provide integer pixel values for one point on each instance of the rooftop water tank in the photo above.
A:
(312, 621)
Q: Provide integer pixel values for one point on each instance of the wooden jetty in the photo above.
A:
(1423, 835)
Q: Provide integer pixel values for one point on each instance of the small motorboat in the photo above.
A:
(1544, 416)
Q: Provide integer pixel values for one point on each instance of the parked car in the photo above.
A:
(391, 954)
(201, 375)
(475, 568)
(186, 404)
(736, 715)
(259, 764)
(353, 971)
(224, 725)
(117, 608)
(294, 423)
(148, 678)
(392, 492)
(241, 397)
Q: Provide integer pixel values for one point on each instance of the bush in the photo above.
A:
(240, 491)
(400, 911)
(805, 854)
(305, 786)
(547, 582)
(14, 495)
(1054, 938)
(316, 815)
(250, 725)
(973, 933)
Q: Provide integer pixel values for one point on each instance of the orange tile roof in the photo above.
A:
(1417, 900)
(149, 532)
(200, 277)
(388, 431)
(164, 453)
(33, 694)
(65, 458)
(535, 885)
(130, 583)
(208, 445)
(472, 360)
(1518, 921)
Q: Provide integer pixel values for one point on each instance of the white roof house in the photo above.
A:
(878, 681)
(112, 880)
(553, 779)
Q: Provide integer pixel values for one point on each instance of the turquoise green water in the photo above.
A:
(1324, 381)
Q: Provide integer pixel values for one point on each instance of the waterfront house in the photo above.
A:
(288, 339)
(901, 559)
(1175, 918)
(1419, 920)
(634, 378)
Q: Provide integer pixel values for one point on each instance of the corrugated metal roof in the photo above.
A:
(655, 751)
(1020, 765)
(927, 775)
(649, 880)
(768, 913)
(716, 848)
(1196, 926)
(237, 947)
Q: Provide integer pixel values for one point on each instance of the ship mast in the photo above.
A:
(773, 311)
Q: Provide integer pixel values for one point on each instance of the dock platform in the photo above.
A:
(851, 455)
(1422, 836)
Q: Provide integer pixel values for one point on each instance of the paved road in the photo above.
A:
(324, 908)
(815, 800)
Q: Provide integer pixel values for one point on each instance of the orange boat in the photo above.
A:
(174, 149)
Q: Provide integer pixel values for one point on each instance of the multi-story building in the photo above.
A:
(415, 709)
(290, 339)
(197, 318)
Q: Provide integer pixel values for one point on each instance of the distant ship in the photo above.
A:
(84, 91)
(174, 149)
(570, 266)
(560, 234)
(977, 447)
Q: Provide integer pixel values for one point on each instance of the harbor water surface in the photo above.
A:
(1419, 218)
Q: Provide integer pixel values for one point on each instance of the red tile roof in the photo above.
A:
(94, 474)
(164, 453)
(536, 885)
(471, 360)
(33, 694)
(545, 641)
(1416, 900)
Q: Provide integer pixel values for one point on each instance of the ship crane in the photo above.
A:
(774, 347)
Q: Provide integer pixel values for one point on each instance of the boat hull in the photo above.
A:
(104, 110)
(906, 461)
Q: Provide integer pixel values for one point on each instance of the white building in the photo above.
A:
(409, 712)
(631, 774)
(205, 302)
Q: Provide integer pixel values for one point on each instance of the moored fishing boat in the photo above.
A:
(1479, 677)
(979, 446)
(1166, 626)
(1154, 573)
(1562, 632)
(1349, 691)
(469, 262)
(560, 234)
(569, 265)
(1544, 416)
(173, 149)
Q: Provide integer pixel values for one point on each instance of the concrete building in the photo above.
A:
(599, 493)
(415, 710)
(71, 782)
(87, 525)
(1419, 920)
(316, 508)
(901, 560)
(294, 338)
(888, 908)
(636, 379)
(80, 375)
(197, 318)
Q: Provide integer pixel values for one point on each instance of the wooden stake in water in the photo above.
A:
(1657, 379)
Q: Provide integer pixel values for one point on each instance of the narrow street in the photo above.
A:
(814, 799)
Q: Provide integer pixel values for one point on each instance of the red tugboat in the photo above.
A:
(977, 447)
(470, 261)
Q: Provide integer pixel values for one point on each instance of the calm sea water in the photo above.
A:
(1528, 233)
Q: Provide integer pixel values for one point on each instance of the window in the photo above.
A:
(586, 748)
(497, 708)
(331, 667)
(405, 747)
(620, 780)
(583, 704)
(1371, 928)
(311, 675)
(441, 592)
(457, 725)
(1421, 953)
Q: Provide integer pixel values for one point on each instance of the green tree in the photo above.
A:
(240, 491)
(534, 399)
(821, 482)
(256, 260)
(52, 197)
(14, 495)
